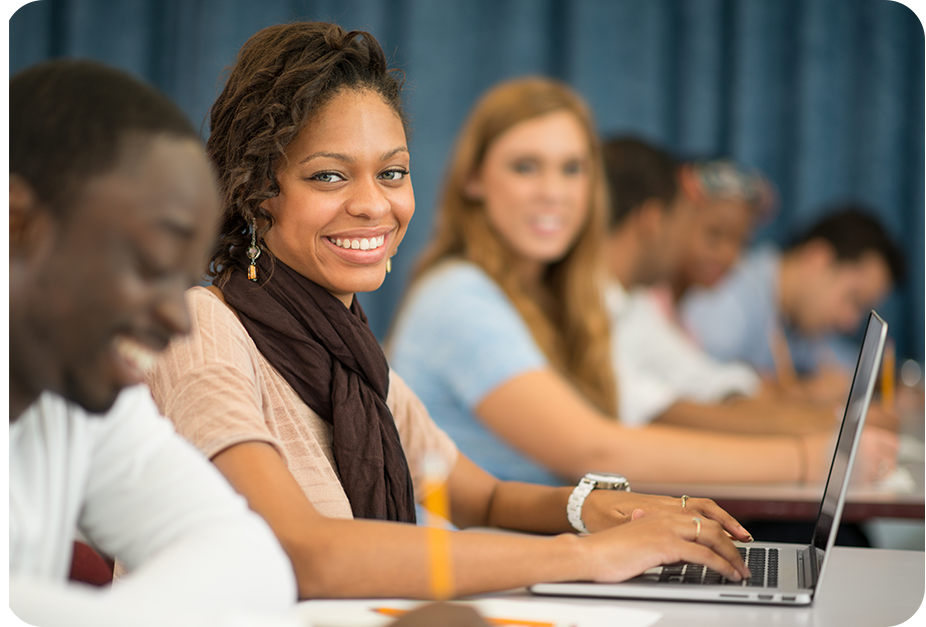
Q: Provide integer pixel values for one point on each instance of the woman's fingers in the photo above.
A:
(877, 454)
(605, 509)
(722, 551)
(660, 537)
(713, 511)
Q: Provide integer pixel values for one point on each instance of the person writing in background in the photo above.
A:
(778, 311)
(112, 211)
(283, 385)
(665, 377)
(504, 333)
(729, 200)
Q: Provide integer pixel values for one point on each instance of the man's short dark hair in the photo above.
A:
(70, 120)
(853, 231)
(637, 171)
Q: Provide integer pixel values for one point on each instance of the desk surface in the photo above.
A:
(900, 497)
(793, 502)
(864, 587)
(861, 587)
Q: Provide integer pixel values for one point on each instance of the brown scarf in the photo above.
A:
(331, 358)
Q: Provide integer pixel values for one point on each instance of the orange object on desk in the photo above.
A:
(520, 622)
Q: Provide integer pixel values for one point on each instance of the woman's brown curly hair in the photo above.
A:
(283, 75)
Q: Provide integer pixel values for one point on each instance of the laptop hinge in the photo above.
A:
(808, 567)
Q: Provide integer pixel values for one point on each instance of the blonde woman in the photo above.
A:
(504, 334)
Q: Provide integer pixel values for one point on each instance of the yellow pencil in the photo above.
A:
(888, 373)
(394, 611)
(438, 507)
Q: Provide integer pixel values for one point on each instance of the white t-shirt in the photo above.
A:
(129, 486)
(657, 365)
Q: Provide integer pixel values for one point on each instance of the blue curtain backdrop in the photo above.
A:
(825, 96)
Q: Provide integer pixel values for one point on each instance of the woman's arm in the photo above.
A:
(361, 558)
(752, 416)
(542, 415)
(478, 499)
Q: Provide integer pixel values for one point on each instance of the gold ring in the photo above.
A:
(697, 522)
(685, 498)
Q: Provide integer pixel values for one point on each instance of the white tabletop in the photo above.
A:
(863, 587)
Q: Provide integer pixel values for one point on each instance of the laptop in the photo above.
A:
(782, 573)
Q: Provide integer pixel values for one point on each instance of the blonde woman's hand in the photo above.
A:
(604, 509)
(877, 454)
(875, 459)
(661, 537)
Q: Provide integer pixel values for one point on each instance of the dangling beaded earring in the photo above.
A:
(253, 253)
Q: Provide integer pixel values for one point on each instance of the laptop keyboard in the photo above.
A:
(762, 563)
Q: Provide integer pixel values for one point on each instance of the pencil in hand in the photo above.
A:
(781, 355)
(888, 376)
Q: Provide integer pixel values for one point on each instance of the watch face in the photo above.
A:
(607, 481)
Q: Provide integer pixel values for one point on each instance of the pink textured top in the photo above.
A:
(219, 391)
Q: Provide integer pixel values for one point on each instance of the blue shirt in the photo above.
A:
(735, 319)
(456, 339)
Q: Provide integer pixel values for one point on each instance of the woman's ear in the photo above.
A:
(473, 188)
(269, 205)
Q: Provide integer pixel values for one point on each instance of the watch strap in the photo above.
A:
(576, 500)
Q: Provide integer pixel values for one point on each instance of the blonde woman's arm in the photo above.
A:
(753, 416)
(543, 416)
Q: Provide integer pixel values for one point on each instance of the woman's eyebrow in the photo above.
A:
(349, 159)
(391, 153)
(329, 155)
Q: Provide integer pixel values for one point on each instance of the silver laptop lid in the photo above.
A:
(863, 384)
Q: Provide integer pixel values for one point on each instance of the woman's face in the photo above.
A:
(535, 186)
(721, 229)
(345, 195)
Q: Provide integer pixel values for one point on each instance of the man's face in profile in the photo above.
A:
(107, 277)
(843, 291)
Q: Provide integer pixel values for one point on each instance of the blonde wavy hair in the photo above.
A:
(566, 316)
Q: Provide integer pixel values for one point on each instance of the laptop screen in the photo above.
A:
(859, 396)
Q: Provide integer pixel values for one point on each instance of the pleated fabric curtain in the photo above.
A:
(824, 96)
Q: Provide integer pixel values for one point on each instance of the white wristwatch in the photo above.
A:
(591, 481)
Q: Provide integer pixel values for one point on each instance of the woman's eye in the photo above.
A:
(573, 168)
(327, 177)
(524, 167)
(395, 175)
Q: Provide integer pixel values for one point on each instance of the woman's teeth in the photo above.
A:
(371, 243)
(548, 222)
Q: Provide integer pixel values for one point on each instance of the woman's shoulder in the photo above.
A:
(207, 305)
(204, 297)
(457, 278)
(215, 327)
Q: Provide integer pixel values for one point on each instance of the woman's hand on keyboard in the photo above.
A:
(606, 508)
(657, 538)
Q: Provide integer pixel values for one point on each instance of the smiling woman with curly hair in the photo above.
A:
(283, 385)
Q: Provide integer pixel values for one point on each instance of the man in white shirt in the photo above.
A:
(662, 375)
(112, 214)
